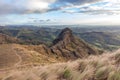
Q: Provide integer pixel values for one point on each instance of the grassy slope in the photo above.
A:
(15, 55)
(102, 67)
(8, 57)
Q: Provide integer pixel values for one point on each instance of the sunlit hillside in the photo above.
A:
(102, 67)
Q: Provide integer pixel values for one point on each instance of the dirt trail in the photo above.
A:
(20, 59)
(16, 64)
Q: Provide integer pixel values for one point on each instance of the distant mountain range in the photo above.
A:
(106, 39)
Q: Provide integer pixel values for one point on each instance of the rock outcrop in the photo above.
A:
(69, 46)
(65, 47)
(4, 39)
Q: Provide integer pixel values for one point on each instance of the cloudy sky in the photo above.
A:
(53, 12)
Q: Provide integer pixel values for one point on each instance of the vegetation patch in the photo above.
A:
(66, 74)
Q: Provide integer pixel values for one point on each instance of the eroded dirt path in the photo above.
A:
(19, 57)
(13, 49)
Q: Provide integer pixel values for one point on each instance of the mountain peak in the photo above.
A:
(66, 30)
(65, 35)
(69, 46)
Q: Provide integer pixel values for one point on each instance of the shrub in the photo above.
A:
(82, 66)
(114, 75)
(102, 73)
(44, 76)
(66, 74)
(117, 58)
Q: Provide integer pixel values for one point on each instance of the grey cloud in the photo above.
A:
(19, 7)
(76, 2)
(96, 12)
(36, 20)
(14, 6)
(62, 4)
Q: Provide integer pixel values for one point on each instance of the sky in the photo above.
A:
(59, 12)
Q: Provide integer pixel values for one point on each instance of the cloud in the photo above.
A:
(77, 2)
(38, 6)
(66, 6)
(106, 7)
(35, 20)
(24, 6)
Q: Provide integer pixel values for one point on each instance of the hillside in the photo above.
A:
(103, 67)
(7, 39)
(65, 47)
(73, 59)
(30, 35)
(71, 47)
(15, 55)
(104, 40)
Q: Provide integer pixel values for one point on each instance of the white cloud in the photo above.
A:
(39, 5)
(104, 7)
(24, 6)
(36, 4)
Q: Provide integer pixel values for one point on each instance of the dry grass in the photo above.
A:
(8, 57)
(102, 67)
(15, 55)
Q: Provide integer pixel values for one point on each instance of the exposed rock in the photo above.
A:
(65, 47)
(7, 39)
(71, 47)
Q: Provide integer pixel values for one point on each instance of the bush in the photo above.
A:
(114, 75)
(102, 73)
(117, 58)
(66, 74)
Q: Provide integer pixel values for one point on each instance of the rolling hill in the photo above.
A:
(104, 40)
(65, 47)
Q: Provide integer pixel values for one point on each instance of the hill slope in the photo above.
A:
(7, 39)
(15, 55)
(103, 67)
(71, 47)
(65, 47)
(105, 40)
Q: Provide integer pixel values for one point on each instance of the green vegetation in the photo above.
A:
(102, 73)
(103, 40)
(31, 36)
(66, 74)
(117, 58)
(114, 75)
(36, 36)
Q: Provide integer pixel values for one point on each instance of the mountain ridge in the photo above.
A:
(65, 47)
(7, 39)
(70, 46)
